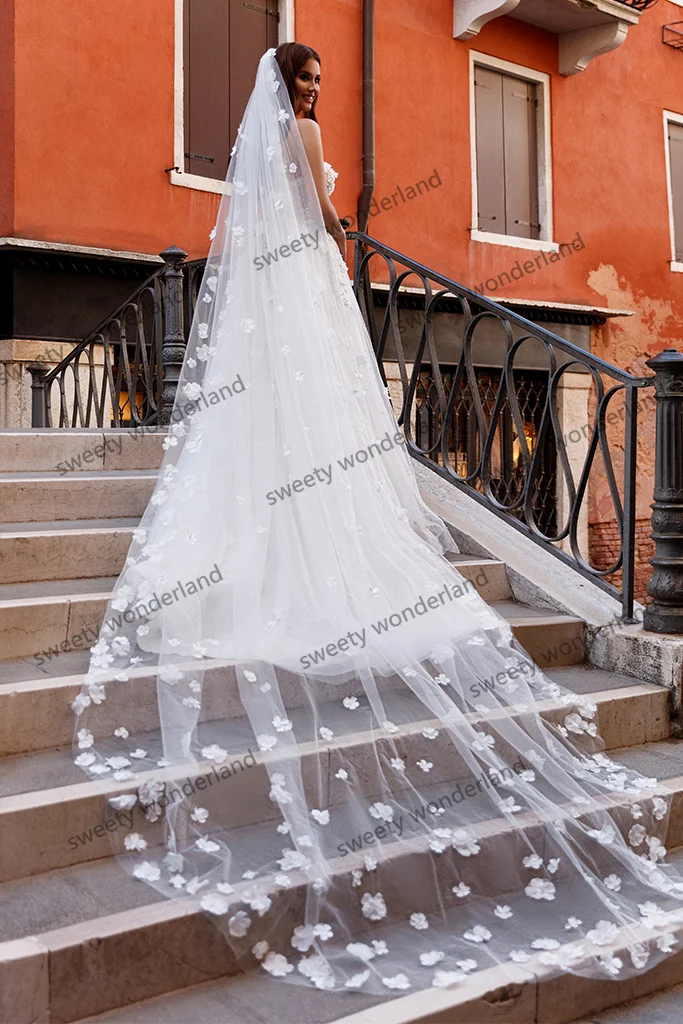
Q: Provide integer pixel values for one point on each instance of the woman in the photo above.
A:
(348, 771)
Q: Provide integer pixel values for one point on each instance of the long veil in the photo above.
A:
(322, 735)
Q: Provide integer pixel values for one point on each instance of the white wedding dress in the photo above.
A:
(328, 741)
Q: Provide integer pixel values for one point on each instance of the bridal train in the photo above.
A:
(337, 749)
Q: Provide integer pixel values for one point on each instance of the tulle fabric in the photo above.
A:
(320, 732)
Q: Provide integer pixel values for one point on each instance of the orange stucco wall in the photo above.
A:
(6, 117)
(94, 128)
(607, 147)
(93, 133)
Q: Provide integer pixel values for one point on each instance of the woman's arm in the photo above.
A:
(310, 136)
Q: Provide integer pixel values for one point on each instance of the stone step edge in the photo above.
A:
(33, 953)
(541, 615)
(21, 813)
(64, 690)
(544, 994)
(81, 527)
(30, 602)
(21, 432)
(109, 787)
(523, 627)
(41, 477)
(83, 530)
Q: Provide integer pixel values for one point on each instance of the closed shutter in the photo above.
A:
(488, 94)
(252, 32)
(521, 160)
(223, 42)
(676, 161)
(507, 158)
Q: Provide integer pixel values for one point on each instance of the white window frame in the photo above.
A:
(670, 117)
(180, 177)
(545, 169)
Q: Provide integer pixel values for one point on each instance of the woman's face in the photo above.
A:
(306, 87)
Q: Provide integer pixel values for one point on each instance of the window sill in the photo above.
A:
(513, 241)
(199, 183)
(676, 266)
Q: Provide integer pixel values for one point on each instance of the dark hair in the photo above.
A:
(291, 57)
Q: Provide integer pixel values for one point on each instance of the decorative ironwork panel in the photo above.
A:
(113, 377)
(499, 433)
(639, 5)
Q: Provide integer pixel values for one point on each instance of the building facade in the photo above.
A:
(530, 149)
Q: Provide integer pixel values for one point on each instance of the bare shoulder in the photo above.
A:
(308, 128)
(312, 142)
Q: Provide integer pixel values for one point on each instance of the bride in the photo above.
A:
(325, 737)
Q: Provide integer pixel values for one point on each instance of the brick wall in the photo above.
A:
(605, 542)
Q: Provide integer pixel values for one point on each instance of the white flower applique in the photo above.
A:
(373, 907)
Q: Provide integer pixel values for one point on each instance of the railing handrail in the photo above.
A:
(490, 306)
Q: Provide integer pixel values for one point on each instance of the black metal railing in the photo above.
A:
(639, 5)
(123, 373)
(488, 414)
(497, 451)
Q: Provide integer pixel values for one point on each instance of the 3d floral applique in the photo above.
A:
(383, 812)
(239, 924)
(146, 871)
(373, 906)
(540, 889)
(214, 903)
(397, 981)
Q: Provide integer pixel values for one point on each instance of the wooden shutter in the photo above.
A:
(521, 159)
(676, 162)
(223, 42)
(488, 95)
(252, 31)
(206, 69)
(507, 158)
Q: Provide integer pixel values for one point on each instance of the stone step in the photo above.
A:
(532, 994)
(57, 615)
(663, 1007)
(38, 617)
(494, 996)
(34, 552)
(64, 550)
(488, 575)
(35, 699)
(43, 497)
(89, 939)
(253, 998)
(71, 450)
(76, 824)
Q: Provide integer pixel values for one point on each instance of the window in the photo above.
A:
(673, 126)
(218, 47)
(510, 155)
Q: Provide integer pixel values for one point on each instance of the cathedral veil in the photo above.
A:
(326, 740)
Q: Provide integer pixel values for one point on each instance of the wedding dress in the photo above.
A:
(326, 739)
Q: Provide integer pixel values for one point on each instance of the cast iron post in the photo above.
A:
(173, 344)
(39, 410)
(666, 582)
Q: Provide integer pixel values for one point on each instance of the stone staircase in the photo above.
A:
(79, 937)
